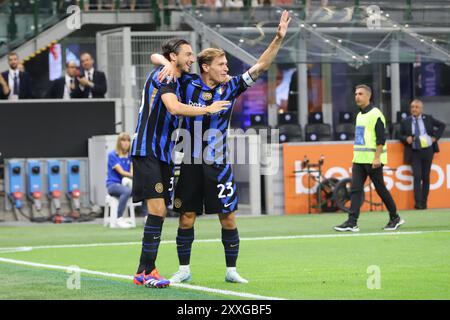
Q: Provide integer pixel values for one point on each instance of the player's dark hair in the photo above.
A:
(172, 46)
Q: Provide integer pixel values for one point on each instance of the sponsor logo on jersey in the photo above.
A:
(207, 96)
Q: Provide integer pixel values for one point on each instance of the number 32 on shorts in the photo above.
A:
(227, 187)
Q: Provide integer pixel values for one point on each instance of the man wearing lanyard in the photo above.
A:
(369, 156)
(420, 133)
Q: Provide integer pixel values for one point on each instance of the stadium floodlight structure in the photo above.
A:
(211, 35)
(420, 43)
(304, 31)
(303, 35)
(327, 44)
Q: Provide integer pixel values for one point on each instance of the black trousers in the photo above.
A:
(360, 172)
(421, 161)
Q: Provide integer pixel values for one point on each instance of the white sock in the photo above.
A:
(231, 269)
(185, 268)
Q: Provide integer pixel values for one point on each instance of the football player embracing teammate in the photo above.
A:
(152, 149)
(206, 183)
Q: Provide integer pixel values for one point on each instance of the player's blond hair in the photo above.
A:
(207, 56)
(122, 136)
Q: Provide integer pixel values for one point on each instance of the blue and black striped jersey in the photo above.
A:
(153, 135)
(195, 93)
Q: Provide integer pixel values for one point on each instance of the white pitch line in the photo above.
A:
(306, 236)
(127, 277)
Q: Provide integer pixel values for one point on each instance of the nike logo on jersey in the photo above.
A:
(233, 245)
(228, 204)
(156, 238)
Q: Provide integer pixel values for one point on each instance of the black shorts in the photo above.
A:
(203, 188)
(152, 179)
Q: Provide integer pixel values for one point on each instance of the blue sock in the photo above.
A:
(150, 243)
(230, 240)
(185, 237)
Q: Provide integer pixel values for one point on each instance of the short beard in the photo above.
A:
(181, 67)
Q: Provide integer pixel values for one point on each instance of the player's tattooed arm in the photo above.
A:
(168, 72)
(266, 59)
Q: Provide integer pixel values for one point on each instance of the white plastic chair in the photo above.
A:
(111, 206)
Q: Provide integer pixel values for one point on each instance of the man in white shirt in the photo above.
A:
(19, 82)
(92, 82)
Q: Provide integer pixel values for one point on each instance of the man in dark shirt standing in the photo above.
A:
(420, 133)
(369, 156)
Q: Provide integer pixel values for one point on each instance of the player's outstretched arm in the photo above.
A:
(177, 108)
(266, 59)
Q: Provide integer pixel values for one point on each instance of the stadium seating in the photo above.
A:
(318, 132)
(258, 119)
(345, 131)
(346, 117)
(315, 117)
(290, 132)
(401, 115)
(288, 118)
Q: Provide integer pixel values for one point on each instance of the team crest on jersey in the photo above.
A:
(159, 187)
(177, 203)
(206, 96)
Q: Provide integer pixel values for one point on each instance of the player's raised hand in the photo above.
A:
(217, 107)
(167, 73)
(284, 22)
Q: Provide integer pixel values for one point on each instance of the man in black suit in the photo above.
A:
(92, 82)
(420, 132)
(66, 87)
(19, 82)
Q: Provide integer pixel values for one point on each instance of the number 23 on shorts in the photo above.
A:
(227, 187)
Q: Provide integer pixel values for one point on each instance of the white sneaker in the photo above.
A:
(121, 223)
(182, 275)
(233, 276)
(129, 221)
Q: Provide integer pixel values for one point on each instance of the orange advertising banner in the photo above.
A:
(338, 163)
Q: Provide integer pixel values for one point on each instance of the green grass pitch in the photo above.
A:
(414, 263)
